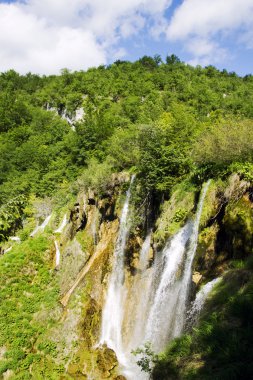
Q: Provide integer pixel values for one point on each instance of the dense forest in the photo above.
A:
(167, 122)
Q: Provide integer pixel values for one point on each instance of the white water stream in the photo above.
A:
(112, 315)
(42, 226)
(62, 225)
(154, 308)
(57, 254)
(162, 322)
(198, 303)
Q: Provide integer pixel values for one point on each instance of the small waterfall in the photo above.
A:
(42, 226)
(93, 227)
(7, 250)
(15, 238)
(180, 312)
(167, 316)
(143, 281)
(198, 303)
(144, 254)
(114, 306)
(62, 225)
(68, 119)
(57, 254)
(162, 317)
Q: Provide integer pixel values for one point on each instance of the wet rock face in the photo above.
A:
(228, 232)
(106, 208)
(132, 252)
(90, 324)
(106, 361)
(235, 238)
(78, 217)
(196, 278)
(206, 254)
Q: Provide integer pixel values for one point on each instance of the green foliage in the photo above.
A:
(27, 286)
(164, 149)
(169, 123)
(146, 357)
(170, 100)
(11, 216)
(225, 141)
(97, 175)
(244, 169)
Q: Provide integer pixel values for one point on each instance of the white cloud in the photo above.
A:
(205, 17)
(205, 51)
(28, 43)
(45, 35)
(203, 25)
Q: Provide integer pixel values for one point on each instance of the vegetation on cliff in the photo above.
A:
(166, 120)
(173, 125)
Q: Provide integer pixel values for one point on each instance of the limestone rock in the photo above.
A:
(196, 278)
(106, 361)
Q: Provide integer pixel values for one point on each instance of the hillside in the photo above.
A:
(104, 176)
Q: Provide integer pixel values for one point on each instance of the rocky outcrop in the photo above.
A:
(87, 248)
(226, 232)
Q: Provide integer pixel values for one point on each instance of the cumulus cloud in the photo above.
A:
(29, 43)
(203, 25)
(45, 35)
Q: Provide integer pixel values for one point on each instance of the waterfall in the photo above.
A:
(136, 312)
(162, 317)
(198, 303)
(93, 227)
(143, 281)
(42, 226)
(113, 309)
(144, 254)
(7, 250)
(62, 225)
(180, 312)
(154, 308)
(57, 254)
(167, 315)
(15, 238)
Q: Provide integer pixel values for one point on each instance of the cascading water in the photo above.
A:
(198, 303)
(113, 310)
(93, 227)
(143, 282)
(161, 321)
(42, 226)
(167, 315)
(154, 308)
(62, 225)
(144, 254)
(180, 312)
(57, 254)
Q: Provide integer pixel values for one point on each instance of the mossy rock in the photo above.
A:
(85, 239)
(174, 213)
(212, 202)
(91, 322)
(205, 256)
(237, 229)
(106, 361)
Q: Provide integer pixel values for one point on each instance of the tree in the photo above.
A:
(172, 59)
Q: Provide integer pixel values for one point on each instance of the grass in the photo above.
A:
(27, 285)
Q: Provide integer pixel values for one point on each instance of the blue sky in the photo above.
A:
(43, 36)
